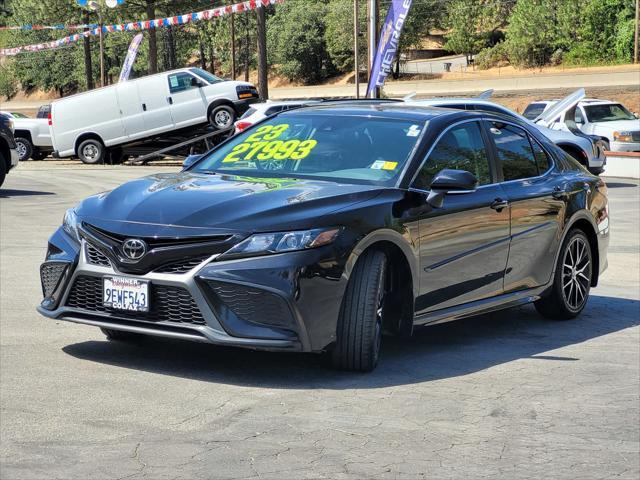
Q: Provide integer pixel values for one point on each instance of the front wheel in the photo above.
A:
(24, 148)
(359, 329)
(572, 279)
(222, 117)
(92, 151)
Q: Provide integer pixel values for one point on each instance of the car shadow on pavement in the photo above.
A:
(8, 193)
(440, 351)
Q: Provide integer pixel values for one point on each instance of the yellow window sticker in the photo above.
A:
(264, 144)
(384, 165)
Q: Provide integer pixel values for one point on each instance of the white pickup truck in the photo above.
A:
(90, 124)
(611, 121)
(32, 136)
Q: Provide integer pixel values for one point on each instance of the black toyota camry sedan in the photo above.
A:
(320, 229)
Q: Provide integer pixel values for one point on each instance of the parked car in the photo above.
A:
(585, 150)
(260, 111)
(322, 227)
(145, 108)
(611, 121)
(33, 139)
(8, 153)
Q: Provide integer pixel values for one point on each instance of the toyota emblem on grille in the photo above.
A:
(134, 249)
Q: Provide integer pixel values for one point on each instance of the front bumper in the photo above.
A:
(625, 146)
(279, 302)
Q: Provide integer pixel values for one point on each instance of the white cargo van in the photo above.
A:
(89, 124)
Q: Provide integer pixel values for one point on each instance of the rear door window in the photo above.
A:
(461, 148)
(533, 110)
(520, 158)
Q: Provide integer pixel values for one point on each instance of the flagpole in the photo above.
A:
(102, 77)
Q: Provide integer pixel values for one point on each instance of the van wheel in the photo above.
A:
(38, 155)
(222, 117)
(92, 151)
(24, 148)
(359, 329)
(572, 279)
(3, 169)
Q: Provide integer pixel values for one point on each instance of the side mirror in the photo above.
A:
(196, 83)
(190, 160)
(450, 181)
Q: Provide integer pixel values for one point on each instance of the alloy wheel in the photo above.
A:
(222, 119)
(576, 273)
(90, 152)
(21, 148)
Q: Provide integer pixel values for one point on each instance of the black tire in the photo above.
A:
(3, 169)
(38, 155)
(119, 335)
(222, 117)
(92, 151)
(562, 301)
(115, 155)
(24, 148)
(359, 329)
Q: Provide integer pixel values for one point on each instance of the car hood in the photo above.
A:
(188, 203)
(620, 125)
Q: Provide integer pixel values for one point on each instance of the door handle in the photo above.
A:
(499, 204)
(144, 107)
(558, 193)
(170, 100)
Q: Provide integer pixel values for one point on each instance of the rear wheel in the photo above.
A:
(24, 148)
(38, 155)
(359, 329)
(119, 335)
(92, 151)
(222, 117)
(572, 281)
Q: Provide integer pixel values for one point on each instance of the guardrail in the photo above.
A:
(622, 164)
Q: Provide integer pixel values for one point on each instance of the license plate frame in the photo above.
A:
(134, 296)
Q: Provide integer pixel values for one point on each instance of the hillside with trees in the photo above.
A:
(310, 41)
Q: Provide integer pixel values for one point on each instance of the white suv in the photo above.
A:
(611, 121)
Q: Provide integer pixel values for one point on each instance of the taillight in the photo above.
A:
(241, 126)
(49, 118)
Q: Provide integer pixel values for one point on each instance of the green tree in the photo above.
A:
(295, 37)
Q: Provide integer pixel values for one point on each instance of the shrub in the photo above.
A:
(8, 83)
(490, 57)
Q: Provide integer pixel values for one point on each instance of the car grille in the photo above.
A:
(253, 304)
(181, 266)
(167, 303)
(50, 274)
(96, 257)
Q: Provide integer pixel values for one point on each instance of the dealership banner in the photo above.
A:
(144, 25)
(131, 57)
(388, 44)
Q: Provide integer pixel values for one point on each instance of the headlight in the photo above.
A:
(622, 136)
(266, 243)
(70, 224)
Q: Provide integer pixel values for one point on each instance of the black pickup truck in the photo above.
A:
(8, 153)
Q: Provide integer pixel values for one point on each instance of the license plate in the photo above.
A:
(123, 293)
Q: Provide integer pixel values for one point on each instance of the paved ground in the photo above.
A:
(504, 396)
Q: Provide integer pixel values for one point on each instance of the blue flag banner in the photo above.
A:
(388, 44)
(131, 57)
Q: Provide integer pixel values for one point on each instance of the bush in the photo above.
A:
(557, 57)
(491, 57)
(8, 83)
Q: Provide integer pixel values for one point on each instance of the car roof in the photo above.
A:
(395, 110)
(468, 100)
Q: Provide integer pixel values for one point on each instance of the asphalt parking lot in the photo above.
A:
(508, 395)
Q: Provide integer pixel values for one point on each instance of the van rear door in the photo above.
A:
(187, 100)
(131, 109)
(155, 104)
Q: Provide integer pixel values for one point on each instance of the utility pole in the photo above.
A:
(102, 76)
(373, 39)
(635, 42)
(233, 45)
(263, 80)
(356, 53)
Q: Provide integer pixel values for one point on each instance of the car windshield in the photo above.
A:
(607, 113)
(210, 78)
(19, 115)
(352, 149)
